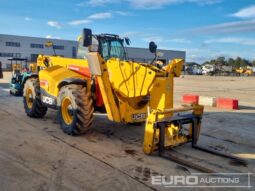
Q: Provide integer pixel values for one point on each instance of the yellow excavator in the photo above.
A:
(103, 80)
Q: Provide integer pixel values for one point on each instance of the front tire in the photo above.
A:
(32, 99)
(75, 109)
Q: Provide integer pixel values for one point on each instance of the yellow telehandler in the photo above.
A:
(129, 92)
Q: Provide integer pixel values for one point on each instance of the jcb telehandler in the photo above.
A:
(104, 80)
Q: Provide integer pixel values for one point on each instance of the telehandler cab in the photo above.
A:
(104, 80)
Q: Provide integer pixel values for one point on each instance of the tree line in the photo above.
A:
(235, 63)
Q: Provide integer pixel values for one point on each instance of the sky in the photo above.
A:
(205, 29)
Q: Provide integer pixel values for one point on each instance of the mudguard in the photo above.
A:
(55, 77)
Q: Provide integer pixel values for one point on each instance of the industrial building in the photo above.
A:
(30, 47)
(12, 46)
(144, 55)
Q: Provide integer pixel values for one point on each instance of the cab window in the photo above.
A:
(82, 51)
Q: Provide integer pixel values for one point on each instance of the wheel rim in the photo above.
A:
(67, 110)
(29, 98)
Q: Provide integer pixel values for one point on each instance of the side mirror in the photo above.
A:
(127, 41)
(87, 37)
(153, 47)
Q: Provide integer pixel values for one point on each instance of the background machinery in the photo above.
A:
(244, 71)
(20, 72)
(105, 81)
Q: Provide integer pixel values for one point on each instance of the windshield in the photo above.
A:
(112, 48)
(109, 48)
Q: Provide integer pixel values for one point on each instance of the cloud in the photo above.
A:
(27, 19)
(148, 37)
(96, 3)
(153, 38)
(52, 37)
(202, 55)
(229, 27)
(80, 22)
(96, 16)
(179, 40)
(245, 13)
(233, 40)
(123, 13)
(148, 4)
(132, 34)
(157, 38)
(54, 24)
(105, 15)
(152, 4)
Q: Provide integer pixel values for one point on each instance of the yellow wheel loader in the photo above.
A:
(104, 80)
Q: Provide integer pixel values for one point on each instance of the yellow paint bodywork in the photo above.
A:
(125, 84)
(132, 92)
(111, 107)
(247, 71)
(130, 88)
(60, 61)
(175, 67)
(173, 137)
(51, 77)
(129, 83)
(240, 70)
(55, 69)
(130, 79)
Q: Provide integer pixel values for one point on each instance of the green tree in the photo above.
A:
(213, 62)
(231, 62)
(206, 62)
(244, 63)
(238, 62)
(247, 62)
(221, 60)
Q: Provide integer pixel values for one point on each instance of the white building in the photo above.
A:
(30, 47)
(12, 46)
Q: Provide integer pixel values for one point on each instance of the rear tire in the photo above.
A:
(75, 109)
(32, 99)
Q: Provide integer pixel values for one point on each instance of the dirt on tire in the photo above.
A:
(38, 110)
(83, 109)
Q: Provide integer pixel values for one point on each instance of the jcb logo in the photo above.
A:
(139, 116)
(47, 100)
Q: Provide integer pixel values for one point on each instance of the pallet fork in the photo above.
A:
(194, 121)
